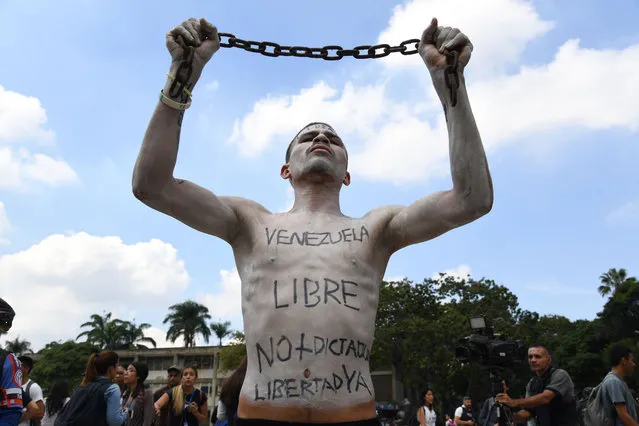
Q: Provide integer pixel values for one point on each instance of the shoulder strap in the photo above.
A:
(28, 389)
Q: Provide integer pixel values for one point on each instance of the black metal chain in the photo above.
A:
(183, 72)
(451, 77)
(328, 53)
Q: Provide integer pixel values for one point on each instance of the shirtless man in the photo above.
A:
(311, 276)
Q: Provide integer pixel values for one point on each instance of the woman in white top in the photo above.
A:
(53, 403)
(426, 413)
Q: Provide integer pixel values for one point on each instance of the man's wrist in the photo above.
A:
(442, 89)
(181, 96)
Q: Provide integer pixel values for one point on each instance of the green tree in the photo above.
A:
(62, 361)
(232, 354)
(104, 332)
(188, 319)
(613, 280)
(18, 346)
(221, 329)
(134, 336)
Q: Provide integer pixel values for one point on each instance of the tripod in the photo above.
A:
(504, 413)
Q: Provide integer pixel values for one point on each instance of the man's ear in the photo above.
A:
(347, 179)
(285, 172)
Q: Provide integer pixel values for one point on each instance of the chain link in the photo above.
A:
(328, 53)
(335, 53)
(451, 77)
(183, 72)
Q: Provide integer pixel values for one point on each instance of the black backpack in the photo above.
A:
(87, 406)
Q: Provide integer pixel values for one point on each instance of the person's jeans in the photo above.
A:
(10, 418)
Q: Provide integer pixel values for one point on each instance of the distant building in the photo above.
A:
(206, 358)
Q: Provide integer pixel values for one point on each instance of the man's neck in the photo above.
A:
(316, 198)
(618, 372)
(543, 372)
(25, 380)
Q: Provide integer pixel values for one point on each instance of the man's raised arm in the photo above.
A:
(153, 181)
(472, 194)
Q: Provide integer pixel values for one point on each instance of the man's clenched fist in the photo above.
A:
(200, 34)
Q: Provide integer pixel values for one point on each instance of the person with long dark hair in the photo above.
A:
(230, 395)
(426, 413)
(97, 401)
(53, 403)
(188, 406)
(137, 399)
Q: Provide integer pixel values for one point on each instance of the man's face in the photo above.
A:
(173, 378)
(538, 359)
(468, 403)
(318, 150)
(628, 365)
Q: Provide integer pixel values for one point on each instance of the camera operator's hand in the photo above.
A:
(504, 399)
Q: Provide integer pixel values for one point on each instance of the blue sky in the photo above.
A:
(553, 86)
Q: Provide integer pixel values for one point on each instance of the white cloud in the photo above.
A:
(19, 168)
(226, 303)
(498, 29)
(394, 278)
(628, 214)
(290, 200)
(280, 118)
(5, 225)
(159, 336)
(212, 86)
(65, 278)
(22, 119)
(391, 140)
(459, 273)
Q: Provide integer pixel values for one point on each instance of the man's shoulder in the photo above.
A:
(243, 206)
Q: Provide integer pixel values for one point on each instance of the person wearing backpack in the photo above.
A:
(618, 401)
(10, 375)
(97, 401)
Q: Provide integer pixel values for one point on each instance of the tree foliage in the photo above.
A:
(18, 346)
(419, 325)
(62, 361)
(106, 332)
(188, 320)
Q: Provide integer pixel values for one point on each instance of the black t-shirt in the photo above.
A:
(178, 419)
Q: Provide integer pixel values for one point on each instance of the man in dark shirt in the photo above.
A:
(173, 379)
(550, 395)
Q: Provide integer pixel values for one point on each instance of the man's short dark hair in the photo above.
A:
(617, 353)
(27, 361)
(290, 145)
(542, 346)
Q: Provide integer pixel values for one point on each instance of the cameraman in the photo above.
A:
(550, 395)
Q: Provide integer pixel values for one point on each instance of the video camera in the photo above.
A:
(488, 349)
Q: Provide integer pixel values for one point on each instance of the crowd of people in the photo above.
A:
(110, 394)
(550, 398)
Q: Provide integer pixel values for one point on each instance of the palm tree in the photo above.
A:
(221, 329)
(18, 346)
(104, 332)
(134, 336)
(612, 280)
(188, 319)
